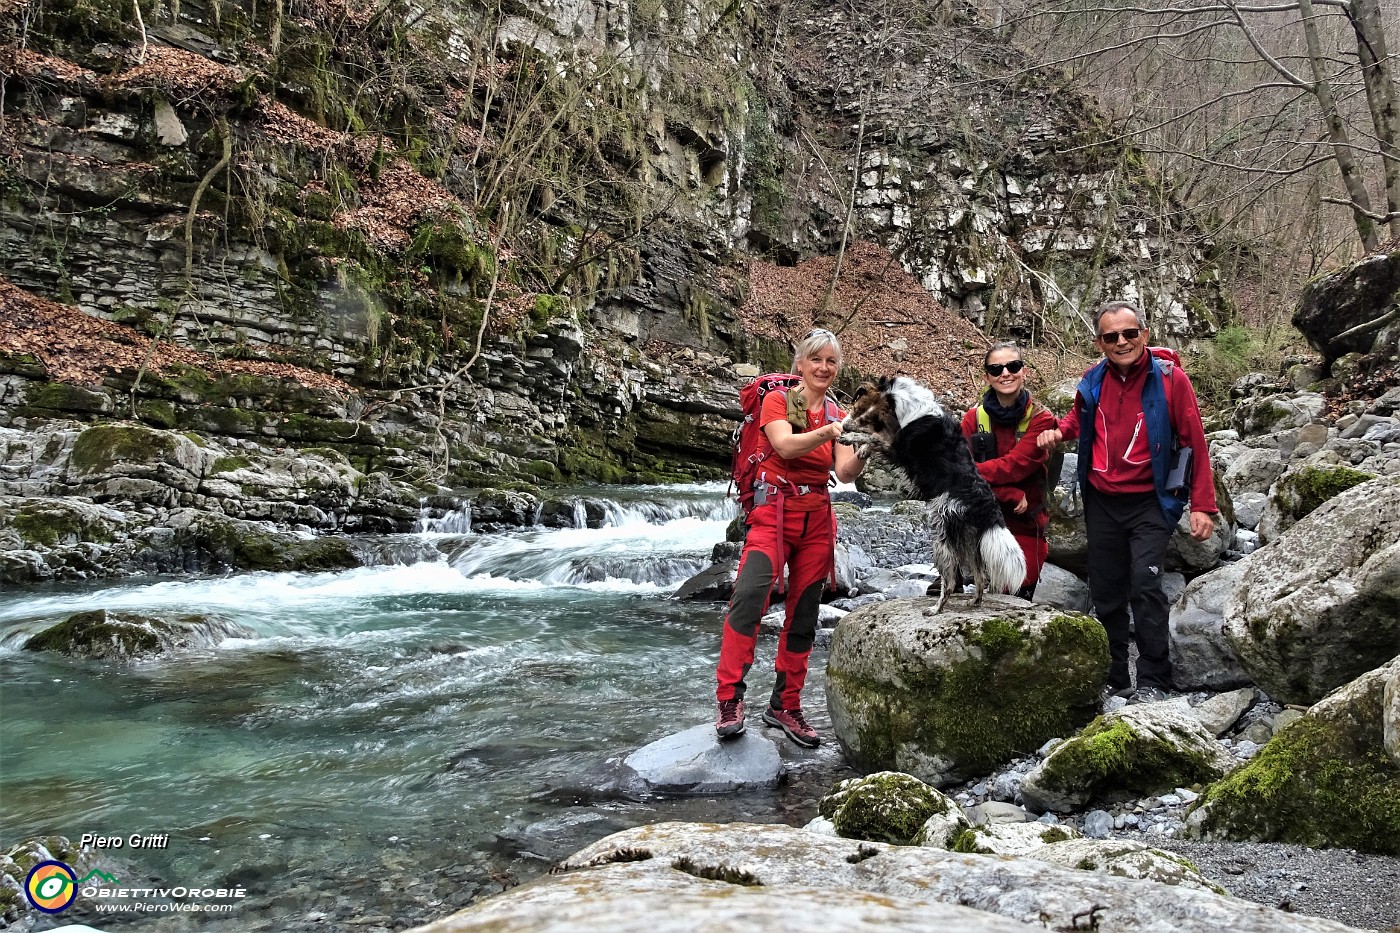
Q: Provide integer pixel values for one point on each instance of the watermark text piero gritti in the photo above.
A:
(134, 841)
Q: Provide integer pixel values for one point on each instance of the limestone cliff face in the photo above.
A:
(359, 190)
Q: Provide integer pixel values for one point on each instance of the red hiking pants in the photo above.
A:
(808, 543)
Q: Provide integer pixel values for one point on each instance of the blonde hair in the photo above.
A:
(817, 338)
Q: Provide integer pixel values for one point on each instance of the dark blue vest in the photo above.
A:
(1159, 431)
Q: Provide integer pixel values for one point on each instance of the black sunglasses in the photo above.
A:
(1014, 367)
(1130, 333)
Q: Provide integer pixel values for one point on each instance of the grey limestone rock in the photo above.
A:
(1321, 605)
(684, 876)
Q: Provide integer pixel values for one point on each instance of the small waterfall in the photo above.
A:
(456, 520)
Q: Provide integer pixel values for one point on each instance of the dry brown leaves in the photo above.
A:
(180, 75)
(21, 63)
(282, 124)
(887, 322)
(75, 347)
(392, 204)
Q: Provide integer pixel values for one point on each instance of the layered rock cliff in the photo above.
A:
(491, 222)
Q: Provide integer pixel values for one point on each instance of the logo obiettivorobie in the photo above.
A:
(52, 886)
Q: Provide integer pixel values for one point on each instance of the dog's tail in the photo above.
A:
(1004, 560)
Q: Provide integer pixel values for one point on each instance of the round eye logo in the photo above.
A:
(51, 886)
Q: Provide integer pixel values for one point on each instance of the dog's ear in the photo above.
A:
(865, 389)
(885, 383)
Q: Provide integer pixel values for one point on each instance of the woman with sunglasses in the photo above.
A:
(1002, 431)
(792, 524)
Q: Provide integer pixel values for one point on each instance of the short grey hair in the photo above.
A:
(816, 338)
(1109, 307)
(1003, 345)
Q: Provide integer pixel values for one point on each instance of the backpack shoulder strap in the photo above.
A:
(1025, 424)
(984, 422)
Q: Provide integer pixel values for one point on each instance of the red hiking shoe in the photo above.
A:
(791, 722)
(731, 719)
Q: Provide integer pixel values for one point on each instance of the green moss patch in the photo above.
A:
(1111, 758)
(1319, 782)
(100, 448)
(1302, 491)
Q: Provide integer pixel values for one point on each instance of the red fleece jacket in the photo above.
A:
(1121, 460)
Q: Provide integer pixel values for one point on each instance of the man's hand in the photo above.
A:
(1202, 525)
(1049, 438)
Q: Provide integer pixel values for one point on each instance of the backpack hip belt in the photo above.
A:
(764, 491)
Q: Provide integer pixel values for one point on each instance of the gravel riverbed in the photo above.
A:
(1339, 884)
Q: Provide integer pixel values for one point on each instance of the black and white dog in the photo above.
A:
(903, 422)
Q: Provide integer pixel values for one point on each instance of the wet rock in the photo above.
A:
(126, 636)
(697, 762)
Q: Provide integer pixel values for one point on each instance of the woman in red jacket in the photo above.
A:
(1002, 432)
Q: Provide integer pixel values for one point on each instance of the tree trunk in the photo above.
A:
(1376, 71)
(1342, 149)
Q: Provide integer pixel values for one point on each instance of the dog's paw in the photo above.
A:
(855, 439)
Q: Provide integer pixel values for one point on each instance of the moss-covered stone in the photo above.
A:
(64, 398)
(157, 413)
(50, 523)
(1112, 758)
(884, 807)
(99, 448)
(961, 697)
(1324, 780)
(99, 634)
(1301, 491)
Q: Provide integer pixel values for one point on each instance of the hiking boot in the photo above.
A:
(1147, 695)
(791, 722)
(1110, 699)
(731, 719)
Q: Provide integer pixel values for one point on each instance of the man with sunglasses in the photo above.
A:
(1133, 412)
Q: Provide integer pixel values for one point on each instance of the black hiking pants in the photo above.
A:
(1128, 537)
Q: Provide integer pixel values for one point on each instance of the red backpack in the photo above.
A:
(747, 455)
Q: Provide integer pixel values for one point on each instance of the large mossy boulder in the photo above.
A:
(1321, 605)
(1135, 752)
(946, 696)
(126, 636)
(137, 463)
(1324, 780)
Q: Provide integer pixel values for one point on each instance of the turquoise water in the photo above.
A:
(393, 741)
